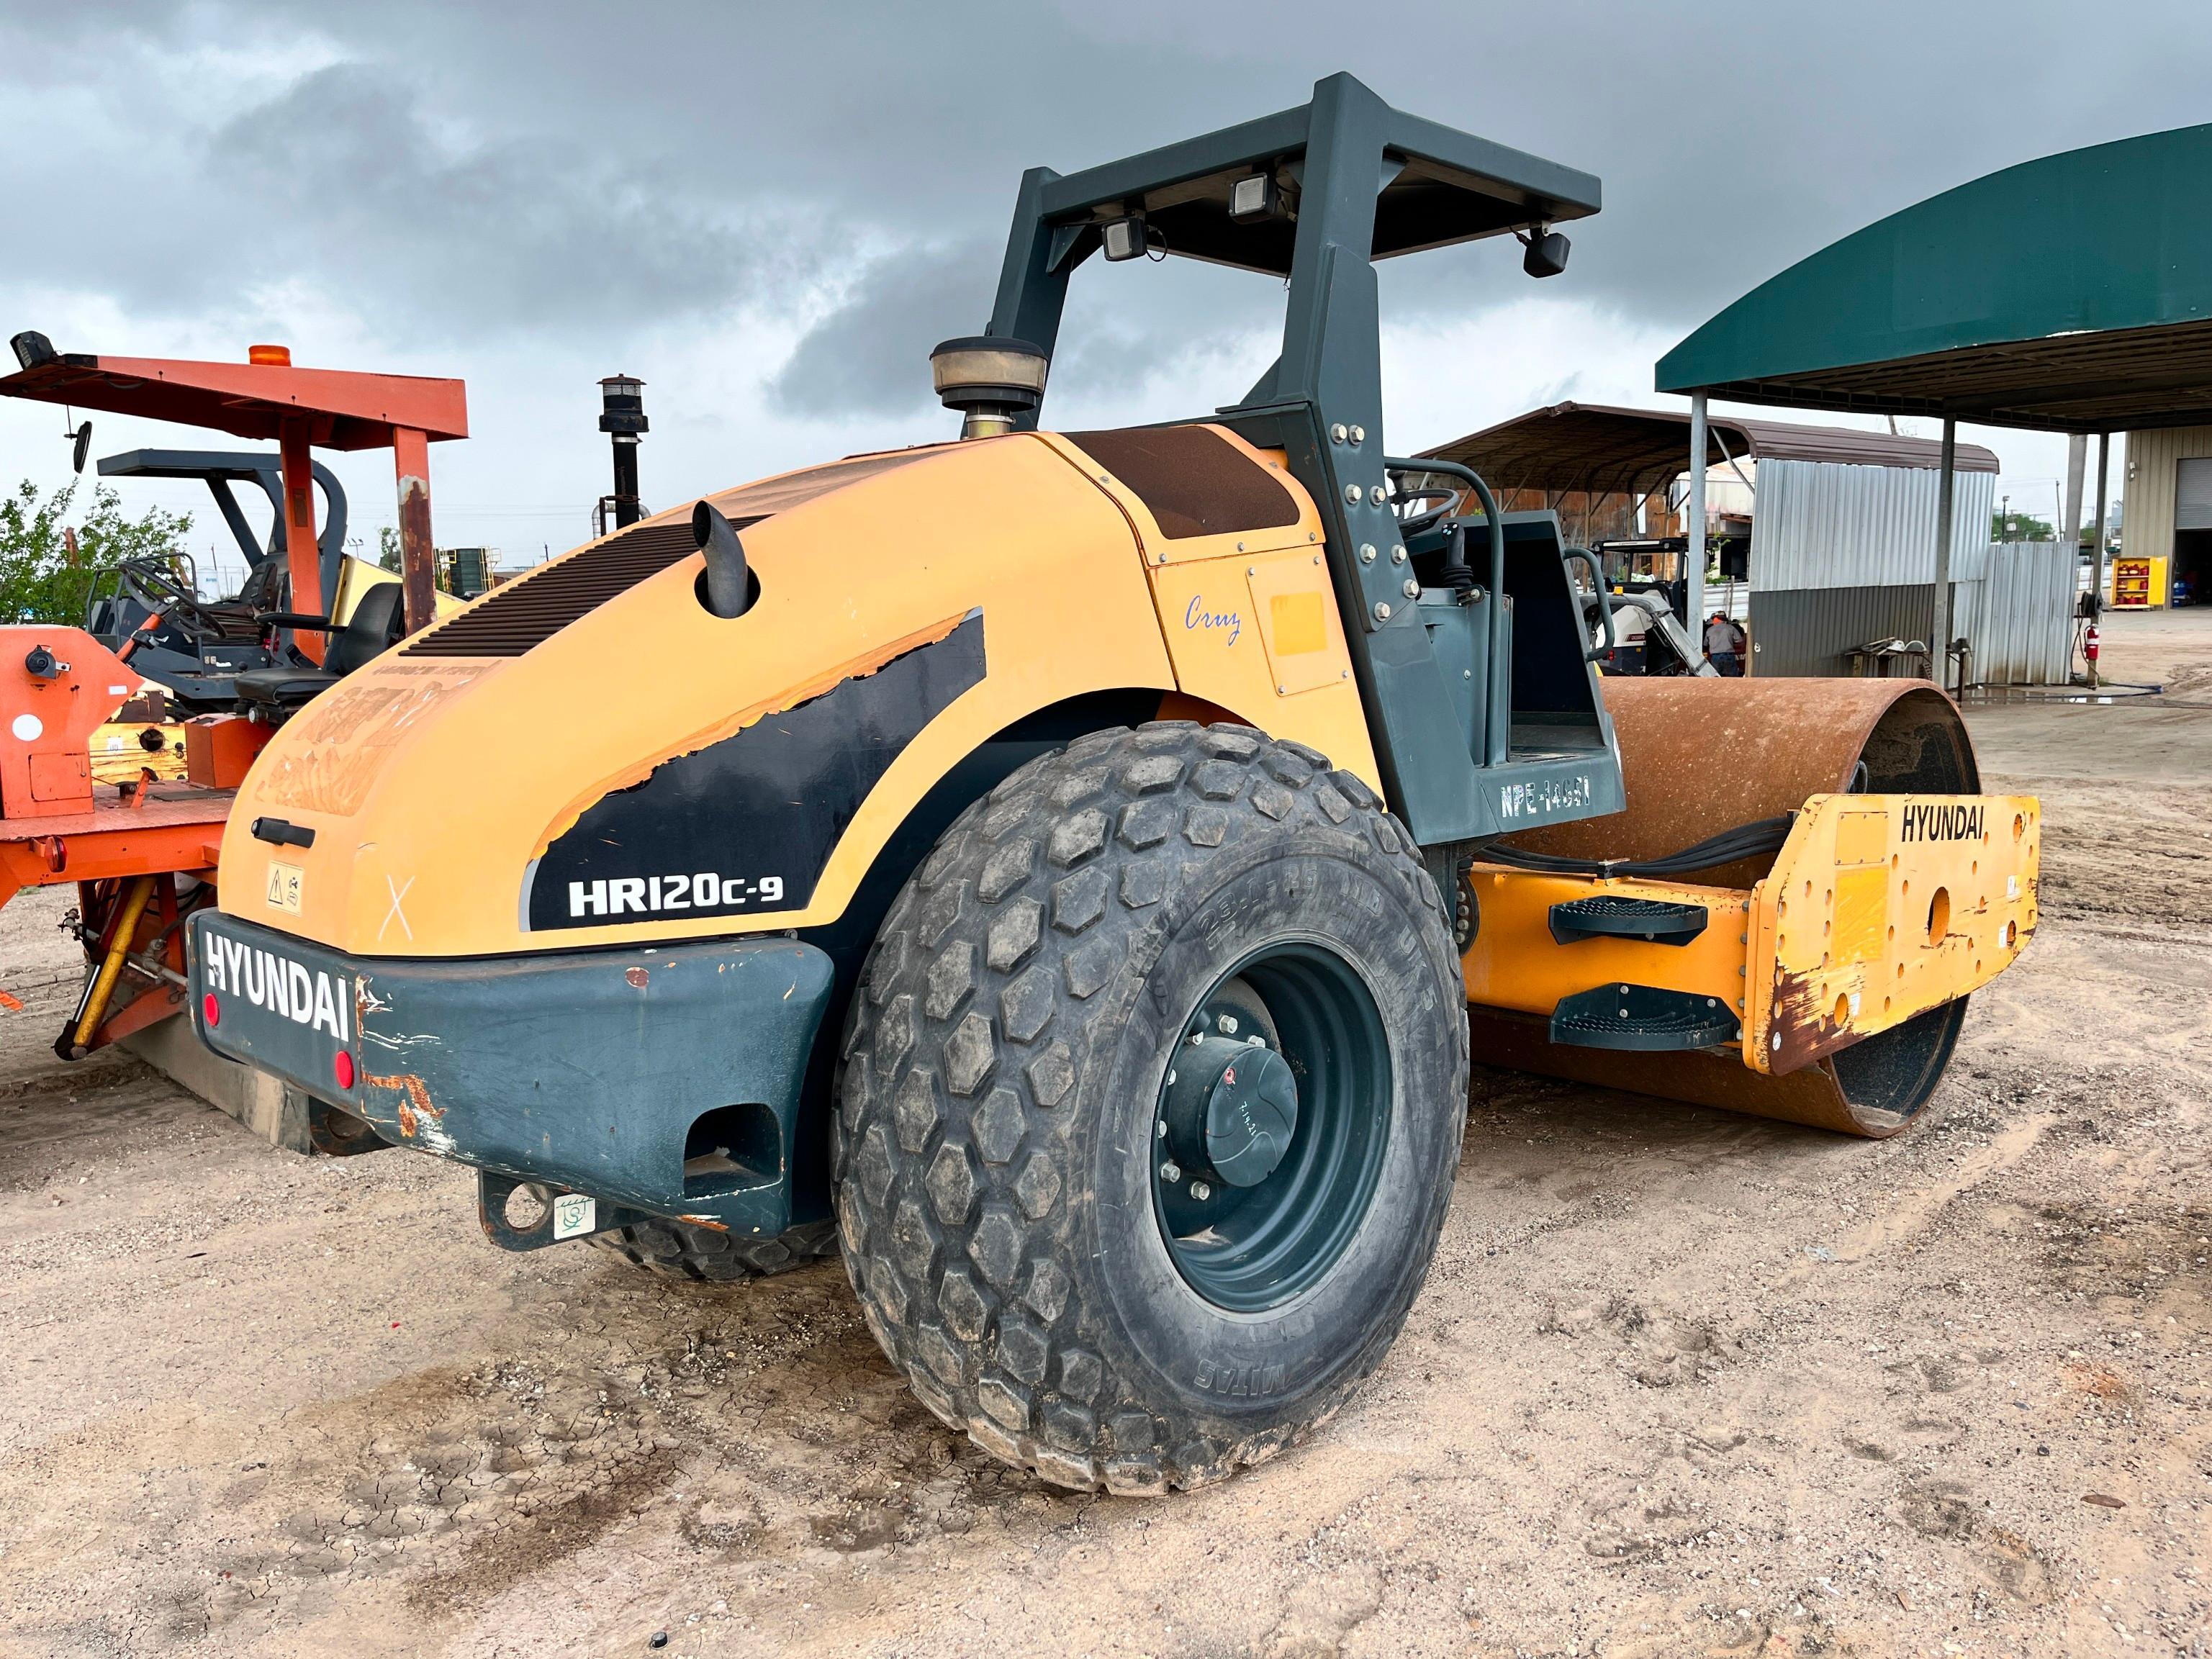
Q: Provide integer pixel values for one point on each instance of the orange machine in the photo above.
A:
(144, 856)
(141, 859)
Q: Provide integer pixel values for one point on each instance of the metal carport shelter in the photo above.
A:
(2071, 293)
(1840, 522)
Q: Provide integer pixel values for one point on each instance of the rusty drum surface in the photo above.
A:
(1699, 756)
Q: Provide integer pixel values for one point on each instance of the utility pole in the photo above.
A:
(621, 417)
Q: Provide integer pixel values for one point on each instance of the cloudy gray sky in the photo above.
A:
(771, 212)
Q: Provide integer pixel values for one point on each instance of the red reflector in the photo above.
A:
(342, 1067)
(210, 1009)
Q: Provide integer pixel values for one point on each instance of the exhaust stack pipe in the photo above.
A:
(728, 588)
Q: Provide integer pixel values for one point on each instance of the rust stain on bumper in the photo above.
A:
(415, 1104)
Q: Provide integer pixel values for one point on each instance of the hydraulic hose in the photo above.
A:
(1745, 841)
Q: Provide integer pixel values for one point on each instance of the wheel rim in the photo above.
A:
(1250, 1244)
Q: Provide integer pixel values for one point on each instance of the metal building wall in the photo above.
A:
(1842, 555)
(2152, 463)
(1819, 524)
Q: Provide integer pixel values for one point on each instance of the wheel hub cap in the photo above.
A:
(1232, 1109)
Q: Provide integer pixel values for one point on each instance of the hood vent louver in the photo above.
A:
(531, 609)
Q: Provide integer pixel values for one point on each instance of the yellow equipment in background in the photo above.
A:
(124, 751)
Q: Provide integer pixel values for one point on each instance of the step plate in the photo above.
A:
(1642, 1017)
(1616, 915)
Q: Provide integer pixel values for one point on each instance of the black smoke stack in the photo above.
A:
(621, 417)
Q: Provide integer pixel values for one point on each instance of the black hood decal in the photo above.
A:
(745, 824)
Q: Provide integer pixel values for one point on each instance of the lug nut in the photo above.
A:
(1200, 1191)
(1255, 1041)
(1225, 1024)
(1170, 1172)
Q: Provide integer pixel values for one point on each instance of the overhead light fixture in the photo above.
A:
(1128, 238)
(1254, 198)
(32, 348)
(1546, 254)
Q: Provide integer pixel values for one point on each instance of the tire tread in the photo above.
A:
(1033, 899)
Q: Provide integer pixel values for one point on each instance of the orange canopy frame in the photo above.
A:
(266, 396)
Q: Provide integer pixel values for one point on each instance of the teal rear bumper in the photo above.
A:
(601, 1073)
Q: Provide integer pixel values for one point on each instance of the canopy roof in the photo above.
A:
(1603, 450)
(1439, 187)
(2072, 293)
(344, 409)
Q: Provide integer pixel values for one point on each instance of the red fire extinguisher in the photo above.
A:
(2089, 644)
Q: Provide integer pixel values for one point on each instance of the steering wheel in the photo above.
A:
(173, 594)
(1414, 524)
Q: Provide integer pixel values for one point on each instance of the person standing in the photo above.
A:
(1724, 645)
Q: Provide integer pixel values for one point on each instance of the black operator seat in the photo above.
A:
(378, 623)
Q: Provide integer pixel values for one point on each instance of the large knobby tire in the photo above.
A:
(1008, 1221)
(676, 1249)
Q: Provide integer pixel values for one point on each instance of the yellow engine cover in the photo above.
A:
(482, 789)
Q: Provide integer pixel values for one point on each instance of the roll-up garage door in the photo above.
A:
(2192, 503)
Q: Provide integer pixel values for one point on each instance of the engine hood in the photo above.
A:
(481, 788)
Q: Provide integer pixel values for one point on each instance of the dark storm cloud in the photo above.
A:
(512, 232)
(869, 355)
(568, 169)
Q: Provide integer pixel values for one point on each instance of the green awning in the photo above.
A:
(2072, 293)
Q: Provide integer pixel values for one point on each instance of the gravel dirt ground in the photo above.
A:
(1680, 1382)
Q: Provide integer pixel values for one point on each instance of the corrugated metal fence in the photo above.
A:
(2020, 619)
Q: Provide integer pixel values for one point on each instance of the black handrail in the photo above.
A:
(1591, 653)
(1497, 723)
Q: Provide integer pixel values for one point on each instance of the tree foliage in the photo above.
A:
(40, 581)
(2020, 527)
